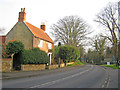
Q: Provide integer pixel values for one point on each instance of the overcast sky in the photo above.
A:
(49, 11)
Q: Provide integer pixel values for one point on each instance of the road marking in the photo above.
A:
(107, 79)
(55, 81)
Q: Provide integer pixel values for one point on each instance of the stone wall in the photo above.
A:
(53, 66)
(6, 65)
(32, 67)
(62, 65)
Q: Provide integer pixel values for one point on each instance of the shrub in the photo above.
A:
(68, 53)
(34, 56)
(55, 54)
(14, 47)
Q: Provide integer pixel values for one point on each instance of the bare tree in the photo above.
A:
(70, 30)
(108, 17)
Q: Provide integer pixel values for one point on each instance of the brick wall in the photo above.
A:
(32, 67)
(6, 65)
(36, 42)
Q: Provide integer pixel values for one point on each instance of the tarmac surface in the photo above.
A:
(21, 74)
(87, 76)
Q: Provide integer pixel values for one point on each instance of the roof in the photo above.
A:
(38, 32)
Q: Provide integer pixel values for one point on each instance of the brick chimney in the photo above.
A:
(22, 15)
(43, 27)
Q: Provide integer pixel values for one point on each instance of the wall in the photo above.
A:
(6, 65)
(20, 32)
(62, 65)
(36, 42)
(53, 66)
(32, 67)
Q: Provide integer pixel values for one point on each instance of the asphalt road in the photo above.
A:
(89, 76)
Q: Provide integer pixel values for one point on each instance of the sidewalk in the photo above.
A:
(21, 74)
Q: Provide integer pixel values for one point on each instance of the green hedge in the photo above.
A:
(14, 47)
(68, 53)
(34, 56)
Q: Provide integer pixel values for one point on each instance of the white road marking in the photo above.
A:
(68, 77)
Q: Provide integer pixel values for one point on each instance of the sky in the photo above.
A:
(50, 11)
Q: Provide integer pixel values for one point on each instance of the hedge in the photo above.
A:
(34, 56)
(68, 53)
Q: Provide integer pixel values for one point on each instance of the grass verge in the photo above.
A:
(111, 66)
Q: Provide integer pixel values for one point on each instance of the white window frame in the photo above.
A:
(40, 44)
(49, 46)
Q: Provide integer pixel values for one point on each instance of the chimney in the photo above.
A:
(22, 15)
(43, 27)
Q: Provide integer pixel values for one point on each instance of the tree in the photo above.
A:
(108, 18)
(68, 53)
(70, 30)
(14, 47)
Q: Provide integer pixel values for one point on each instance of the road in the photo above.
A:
(88, 76)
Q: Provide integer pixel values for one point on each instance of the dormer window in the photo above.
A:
(40, 44)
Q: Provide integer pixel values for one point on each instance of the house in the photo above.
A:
(30, 35)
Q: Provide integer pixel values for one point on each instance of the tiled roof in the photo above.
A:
(38, 32)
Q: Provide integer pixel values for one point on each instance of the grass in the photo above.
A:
(76, 63)
(111, 66)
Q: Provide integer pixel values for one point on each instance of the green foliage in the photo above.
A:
(34, 56)
(119, 51)
(111, 66)
(56, 52)
(94, 57)
(68, 53)
(14, 47)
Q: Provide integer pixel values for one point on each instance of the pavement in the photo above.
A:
(22, 74)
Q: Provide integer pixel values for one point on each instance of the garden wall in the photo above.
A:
(6, 65)
(32, 67)
(53, 66)
(62, 65)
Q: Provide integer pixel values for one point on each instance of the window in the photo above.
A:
(40, 44)
(49, 46)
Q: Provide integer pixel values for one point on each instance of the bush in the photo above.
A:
(14, 47)
(55, 54)
(34, 56)
(68, 53)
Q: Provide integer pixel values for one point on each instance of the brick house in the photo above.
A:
(30, 35)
